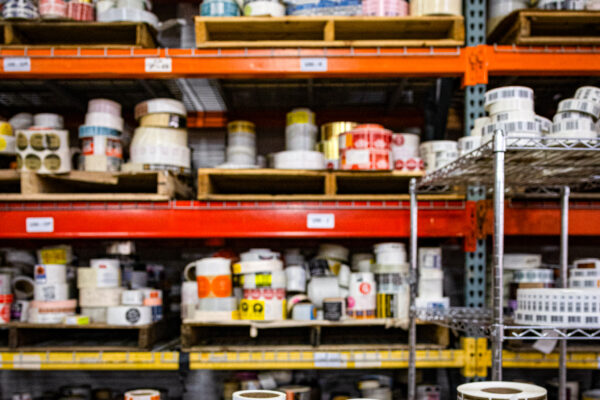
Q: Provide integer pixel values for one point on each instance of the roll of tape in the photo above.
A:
(104, 106)
(162, 157)
(558, 307)
(301, 136)
(51, 291)
(99, 297)
(522, 261)
(431, 283)
(435, 7)
(580, 105)
(304, 312)
(533, 276)
(129, 315)
(108, 272)
(48, 120)
(273, 280)
(23, 287)
(320, 288)
(362, 299)
(163, 120)
(105, 120)
(131, 15)
(405, 145)
(160, 106)
(259, 394)
(211, 266)
(102, 146)
(132, 297)
(97, 315)
(50, 273)
(332, 130)
(295, 278)
(501, 391)
(590, 93)
(142, 394)
(215, 8)
(249, 267)
(299, 159)
(241, 126)
(213, 276)
(263, 309)
(334, 309)
(44, 151)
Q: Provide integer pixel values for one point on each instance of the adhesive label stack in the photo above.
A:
(161, 141)
(241, 145)
(263, 8)
(431, 280)
(329, 144)
(585, 274)
(51, 303)
(438, 153)
(391, 271)
(513, 264)
(99, 288)
(264, 285)
(362, 298)
(101, 146)
(366, 147)
(44, 150)
(300, 142)
(405, 152)
(20, 9)
(215, 296)
(577, 117)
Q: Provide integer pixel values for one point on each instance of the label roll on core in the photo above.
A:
(501, 391)
(258, 394)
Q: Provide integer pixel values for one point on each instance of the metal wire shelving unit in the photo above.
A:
(512, 166)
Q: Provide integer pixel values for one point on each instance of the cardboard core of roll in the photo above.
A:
(501, 390)
(258, 395)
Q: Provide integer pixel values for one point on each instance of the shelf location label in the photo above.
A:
(17, 64)
(38, 225)
(329, 360)
(159, 64)
(313, 64)
(320, 221)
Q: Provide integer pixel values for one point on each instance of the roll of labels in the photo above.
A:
(44, 151)
(501, 391)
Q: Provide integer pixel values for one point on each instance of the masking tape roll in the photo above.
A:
(51, 291)
(97, 315)
(218, 304)
(131, 15)
(507, 93)
(558, 307)
(100, 297)
(590, 93)
(108, 272)
(164, 120)
(161, 155)
(50, 273)
(160, 106)
(132, 297)
(142, 394)
(48, 120)
(104, 119)
(249, 267)
(501, 391)
(273, 280)
(104, 106)
(533, 276)
(304, 312)
(579, 105)
(102, 146)
(129, 315)
(241, 126)
(88, 131)
(299, 159)
(7, 144)
(522, 261)
(259, 394)
(263, 309)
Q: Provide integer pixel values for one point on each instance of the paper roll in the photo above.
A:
(23, 287)
(500, 391)
(259, 394)
(295, 278)
(248, 267)
(50, 273)
(320, 288)
(99, 297)
(142, 394)
(129, 315)
(51, 291)
(108, 272)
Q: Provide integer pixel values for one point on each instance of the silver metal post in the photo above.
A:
(564, 266)
(412, 332)
(498, 258)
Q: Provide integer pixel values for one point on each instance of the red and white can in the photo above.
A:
(53, 9)
(370, 136)
(365, 159)
(5, 303)
(80, 11)
(414, 164)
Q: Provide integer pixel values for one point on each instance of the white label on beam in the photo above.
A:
(313, 64)
(159, 64)
(320, 221)
(37, 225)
(17, 64)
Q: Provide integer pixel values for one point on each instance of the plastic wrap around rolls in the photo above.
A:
(299, 159)
(45, 151)
(128, 14)
(142, 394)
(129, 315)
(501, 391)
(435, 7)
(259, 394)
(558, 307)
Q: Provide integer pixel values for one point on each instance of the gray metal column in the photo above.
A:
(412, 333)
(564, 266)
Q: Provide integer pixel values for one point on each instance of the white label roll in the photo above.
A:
(435, 7)
(50, 273)
(274, 280)
(129, 315)
(582, 106)
(132, 297)
(51, 291)
(258, 394)
(142, 394)
(99, 297)
(108, 272)
(248, 267)
(104, 119)
(295, 278)
(500, 391)
(362, 294)
(155, 106)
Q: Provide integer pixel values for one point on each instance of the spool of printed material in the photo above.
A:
(558, 307)
(501, 391)
(259, 394)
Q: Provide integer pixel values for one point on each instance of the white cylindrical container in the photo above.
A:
(50, 273)
(129, 315)
(295, 278)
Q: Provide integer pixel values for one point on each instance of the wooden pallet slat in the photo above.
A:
(75, 34)
(547, 28)
(293, 31)
(97, 186)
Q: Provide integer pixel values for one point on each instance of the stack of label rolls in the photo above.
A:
(51, 302)
(300, 142)
(214, 290)
(160, 142)
(524, 271)
(391, 274)
(405, 152)
(577, 117)
(100, 136)
(241, 145)
(501, 391)
(136, 307)
(99, 288)
(431, 280)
